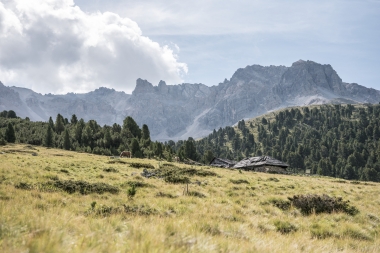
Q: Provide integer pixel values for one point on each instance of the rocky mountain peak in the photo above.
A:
(179, 111)
(143, 86)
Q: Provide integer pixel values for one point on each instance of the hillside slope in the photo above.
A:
(59, 201)
(333, 140)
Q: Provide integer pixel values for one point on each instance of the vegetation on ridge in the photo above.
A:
(332, 140)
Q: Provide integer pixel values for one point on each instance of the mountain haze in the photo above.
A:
(179, 111)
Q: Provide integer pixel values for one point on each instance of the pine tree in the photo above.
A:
(11, 114)
(59, 124)
(130, 126)
(107, 138)
(49, 137)
(66, 141)
(145, 132)
(10, 134)
(135, 148)
(74, 119)
(51, 123)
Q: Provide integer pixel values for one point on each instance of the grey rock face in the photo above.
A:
(179, 111)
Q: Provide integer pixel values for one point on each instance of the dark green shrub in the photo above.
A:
(177, 179)
(110, 169)
(322, 204)
(131, 191)
(273, 179)
(104, 210)
(205, 173)
(280, 203)
(116, 161)
(140, 210)
(141, 165)
(137, 184)
(284, 227)
(169, 165)
(239, 181)
(84, 187)
(24, 186)
(2, 141)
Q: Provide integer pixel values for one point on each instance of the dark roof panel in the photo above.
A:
(260, 161)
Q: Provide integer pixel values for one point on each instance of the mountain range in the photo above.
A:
(175, 112)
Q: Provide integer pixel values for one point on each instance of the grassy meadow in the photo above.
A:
(44, 209)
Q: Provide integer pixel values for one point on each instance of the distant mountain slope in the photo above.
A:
(331, 140)
(179, 111)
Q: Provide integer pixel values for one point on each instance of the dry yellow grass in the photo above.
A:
(231, 218)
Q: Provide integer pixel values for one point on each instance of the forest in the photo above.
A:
(332, 140)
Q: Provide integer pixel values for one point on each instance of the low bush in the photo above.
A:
(168, 165)
(140, 210)
(84, 187)
(177, 179)
(280, 203)
(176, 175)
(131, 191)
(285, 227)
(104, 210)
(113, 161)
(110, 169)
(24, 186)
(205, 173)
(239, 181)
(138, 184)
(322, 204)
(141, 165)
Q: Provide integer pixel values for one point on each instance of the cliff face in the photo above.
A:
(179, 111)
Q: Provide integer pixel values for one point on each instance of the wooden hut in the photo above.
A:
(222, 163)
(262, 164)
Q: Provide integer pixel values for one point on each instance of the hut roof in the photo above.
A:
(221, 162)
(260, 161)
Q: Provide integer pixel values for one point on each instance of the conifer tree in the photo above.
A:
(74, 119)
(107, 138)
(66, 141)
(11, 114)
(145, 134)
(130, 126)
(49, 137)
(10, 135)
(135, 148)
(59, 124)
(51, 123)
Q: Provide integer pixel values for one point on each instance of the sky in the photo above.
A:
(60, 46)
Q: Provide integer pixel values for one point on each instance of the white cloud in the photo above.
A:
(53, 46)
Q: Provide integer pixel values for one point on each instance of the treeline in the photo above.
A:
(332, 140)
(90, 137)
